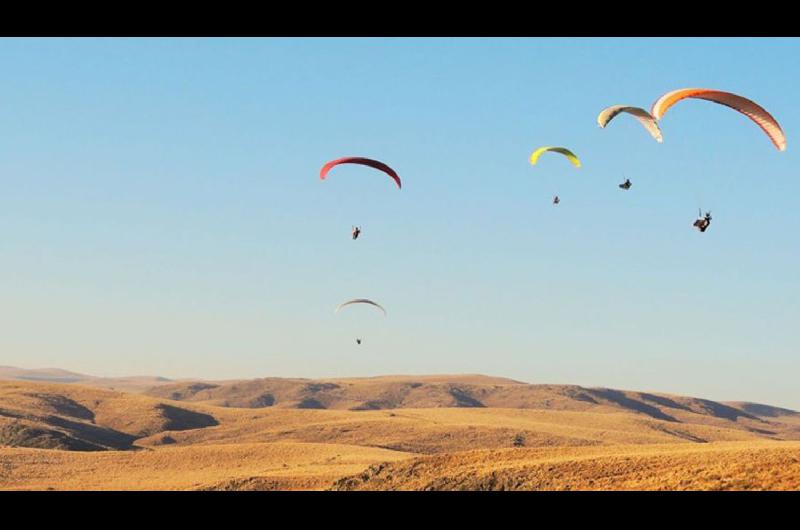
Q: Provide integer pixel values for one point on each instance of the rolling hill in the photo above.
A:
(719, 466)
(393, 432)
(72, 417)
(418, 392)
(57, 375)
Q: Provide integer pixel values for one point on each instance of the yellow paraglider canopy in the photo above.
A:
(562, 150)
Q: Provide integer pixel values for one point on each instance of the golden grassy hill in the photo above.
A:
(717, 466)
(498, 434)
(62, 416)
(390, 392)
(437, 430)
(218, 467)
(348, 394)
(80, 418)
(417, 392)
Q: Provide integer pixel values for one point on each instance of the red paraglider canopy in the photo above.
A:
(364, 162)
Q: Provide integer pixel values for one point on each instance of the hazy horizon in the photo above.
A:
(162, 211)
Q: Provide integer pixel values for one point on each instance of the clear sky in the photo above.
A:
(161, 211)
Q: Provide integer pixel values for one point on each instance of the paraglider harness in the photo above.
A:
(556, 200)
(626, 185)
(703, 223)
(356, 232)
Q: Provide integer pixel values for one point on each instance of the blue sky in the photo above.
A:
(161, 211)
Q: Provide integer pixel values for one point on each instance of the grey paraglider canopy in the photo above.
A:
(360, 301)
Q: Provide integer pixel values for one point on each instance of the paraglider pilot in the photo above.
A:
(358, 341)
(626, 185)
(356, 232)
(703, 223)
(556, 200)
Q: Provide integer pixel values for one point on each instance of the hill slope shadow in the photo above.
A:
(619, 398)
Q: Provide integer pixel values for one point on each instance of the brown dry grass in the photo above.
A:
(76, 417)
(557, 440)
(450, 429)
(717, 466)
(273, 466)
